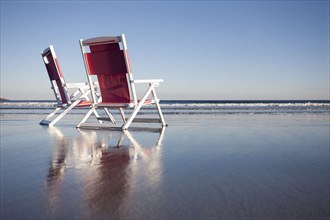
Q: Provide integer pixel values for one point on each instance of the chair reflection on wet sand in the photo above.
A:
(108, 163)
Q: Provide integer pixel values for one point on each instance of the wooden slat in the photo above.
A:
(146, 120)
(96, 126)
(99, 126)
(137, 120)
(45, 122)
(103, 119)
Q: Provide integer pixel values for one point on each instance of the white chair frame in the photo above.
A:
(81, 92)
(136, 104)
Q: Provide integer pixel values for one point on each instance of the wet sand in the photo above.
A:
(232, 166)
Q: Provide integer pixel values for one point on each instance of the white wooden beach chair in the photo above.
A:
(107, 59)
(65, 100)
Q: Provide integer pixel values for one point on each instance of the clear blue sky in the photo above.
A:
(202, 49)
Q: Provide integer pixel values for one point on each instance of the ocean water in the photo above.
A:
(215, 160)
(189, 107)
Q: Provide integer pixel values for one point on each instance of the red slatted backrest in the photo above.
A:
(55, 74)
(107, 61)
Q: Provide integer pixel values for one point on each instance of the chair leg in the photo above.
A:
(120, 140)
(122, 113)
(112, 119)
(161, 136)
(86, 117)
(96, 114)
(158, 107)
(74, 104)
(137, 108)
(131, 118)
(47, 121)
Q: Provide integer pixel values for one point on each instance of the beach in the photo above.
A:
(202, 166)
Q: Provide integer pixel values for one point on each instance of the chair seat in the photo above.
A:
(82, 103)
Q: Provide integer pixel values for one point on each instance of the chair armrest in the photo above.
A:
(147, 81)
(76, 85)
(79, 85)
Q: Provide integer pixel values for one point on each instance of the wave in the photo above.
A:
(188, 107)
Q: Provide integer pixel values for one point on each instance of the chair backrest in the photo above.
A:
(108, 60)
(55, 76)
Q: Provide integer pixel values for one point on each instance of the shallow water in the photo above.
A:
(237, 166)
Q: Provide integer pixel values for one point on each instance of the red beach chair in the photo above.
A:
(107, 59)
(61, 90)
